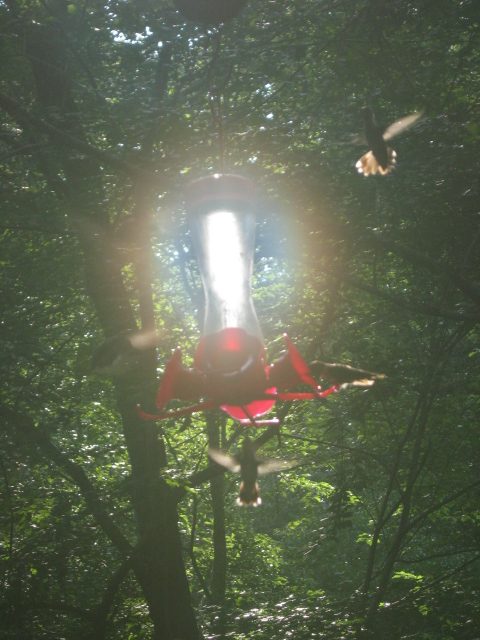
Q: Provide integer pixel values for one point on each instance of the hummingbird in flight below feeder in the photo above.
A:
(381, 158)
(250, 467)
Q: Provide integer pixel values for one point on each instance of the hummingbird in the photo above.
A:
(118, 354)
(381, 158)
(344, 374)
(250, 467)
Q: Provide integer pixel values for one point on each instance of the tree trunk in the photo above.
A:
(158, 562)
(217, 491)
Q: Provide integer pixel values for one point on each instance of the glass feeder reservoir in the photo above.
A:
(221, 211)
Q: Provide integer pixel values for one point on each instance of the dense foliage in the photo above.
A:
(116, 528)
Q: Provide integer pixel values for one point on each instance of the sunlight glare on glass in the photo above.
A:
(226, 257)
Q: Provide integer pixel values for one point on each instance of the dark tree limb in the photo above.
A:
(25, 425)
(158, 565)
(191, 548)
(468, 288)
(11, 513)
(416, 432)
(371, 240)
(102, 612)
(65, 139)
(417, 520)
(422, 588)
(217, 492)
(386, 510)
(403, 303)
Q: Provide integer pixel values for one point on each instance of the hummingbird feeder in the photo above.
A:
(229, 369)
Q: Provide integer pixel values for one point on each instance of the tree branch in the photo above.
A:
(191, 549)
(421, 516)
(24, 117)
(403, 303)
(101, 613)
(470, 289)
(25, 425)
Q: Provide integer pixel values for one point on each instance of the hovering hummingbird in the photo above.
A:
(119, 354)
(381, 158)
(344, 374)
(250, 467)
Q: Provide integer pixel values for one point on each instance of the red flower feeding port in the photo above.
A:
(229, 370)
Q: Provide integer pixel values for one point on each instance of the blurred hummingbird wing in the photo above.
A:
(142, 340)
(358, 138)
(344, 373)
(401, 125)
(114, 355)
(270, 466)
(224, 460)
(365, 382)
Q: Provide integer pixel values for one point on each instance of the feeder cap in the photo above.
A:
(220, 188)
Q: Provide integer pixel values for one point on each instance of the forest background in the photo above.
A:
(112, 527)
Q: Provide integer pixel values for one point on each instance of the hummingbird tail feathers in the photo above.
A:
(249, 496)
(368, 165)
